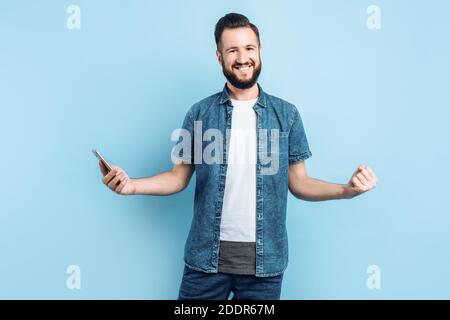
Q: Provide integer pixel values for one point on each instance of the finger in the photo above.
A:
(122, 178)
(109, 176)
(121, 185)
(367, 175)
(358, 183)
(120, 175)
(112, 184)
(118, 187)
(363, 179)
(358, 170)
(367, 172)
(122, 172)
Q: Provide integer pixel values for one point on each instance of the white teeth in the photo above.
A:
(243, 68)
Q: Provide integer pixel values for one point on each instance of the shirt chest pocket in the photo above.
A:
(275, 142)
(276, 160)
(283, 142)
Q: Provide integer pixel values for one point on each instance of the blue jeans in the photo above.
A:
(197, 285)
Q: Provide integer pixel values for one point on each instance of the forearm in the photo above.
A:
(161, 184)
(311, 189)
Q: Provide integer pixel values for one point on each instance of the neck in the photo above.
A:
(243, 94)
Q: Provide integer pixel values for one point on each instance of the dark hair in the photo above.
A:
(233, 21)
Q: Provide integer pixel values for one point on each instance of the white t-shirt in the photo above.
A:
(239, 203)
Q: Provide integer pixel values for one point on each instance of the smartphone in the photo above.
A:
(99, 157)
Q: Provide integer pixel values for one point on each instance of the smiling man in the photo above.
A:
(238, 240)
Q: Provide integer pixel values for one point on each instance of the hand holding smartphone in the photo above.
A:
(117, 179)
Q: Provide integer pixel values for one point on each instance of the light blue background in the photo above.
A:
(123, 83)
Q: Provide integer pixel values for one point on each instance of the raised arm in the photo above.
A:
(306, 188)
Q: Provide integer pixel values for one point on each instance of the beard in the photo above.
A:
(242, 84)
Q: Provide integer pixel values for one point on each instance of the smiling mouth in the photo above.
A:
(243, 68)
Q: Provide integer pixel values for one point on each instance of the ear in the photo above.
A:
(219, 56)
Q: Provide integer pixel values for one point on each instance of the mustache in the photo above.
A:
(250, 63)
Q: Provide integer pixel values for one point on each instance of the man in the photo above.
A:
(238, 240)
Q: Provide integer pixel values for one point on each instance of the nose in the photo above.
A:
(242, 57)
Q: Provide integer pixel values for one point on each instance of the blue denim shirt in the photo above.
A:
(215, 112)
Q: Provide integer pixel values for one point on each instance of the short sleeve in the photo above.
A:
(298, 143)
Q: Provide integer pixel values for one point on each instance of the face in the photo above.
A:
(239, 55)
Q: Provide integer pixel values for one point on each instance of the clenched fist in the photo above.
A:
(362, 180)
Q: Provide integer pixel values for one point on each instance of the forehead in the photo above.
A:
(238, 37)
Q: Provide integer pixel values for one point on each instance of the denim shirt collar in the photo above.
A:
(262, 99)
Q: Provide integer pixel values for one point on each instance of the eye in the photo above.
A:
(250, 48)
